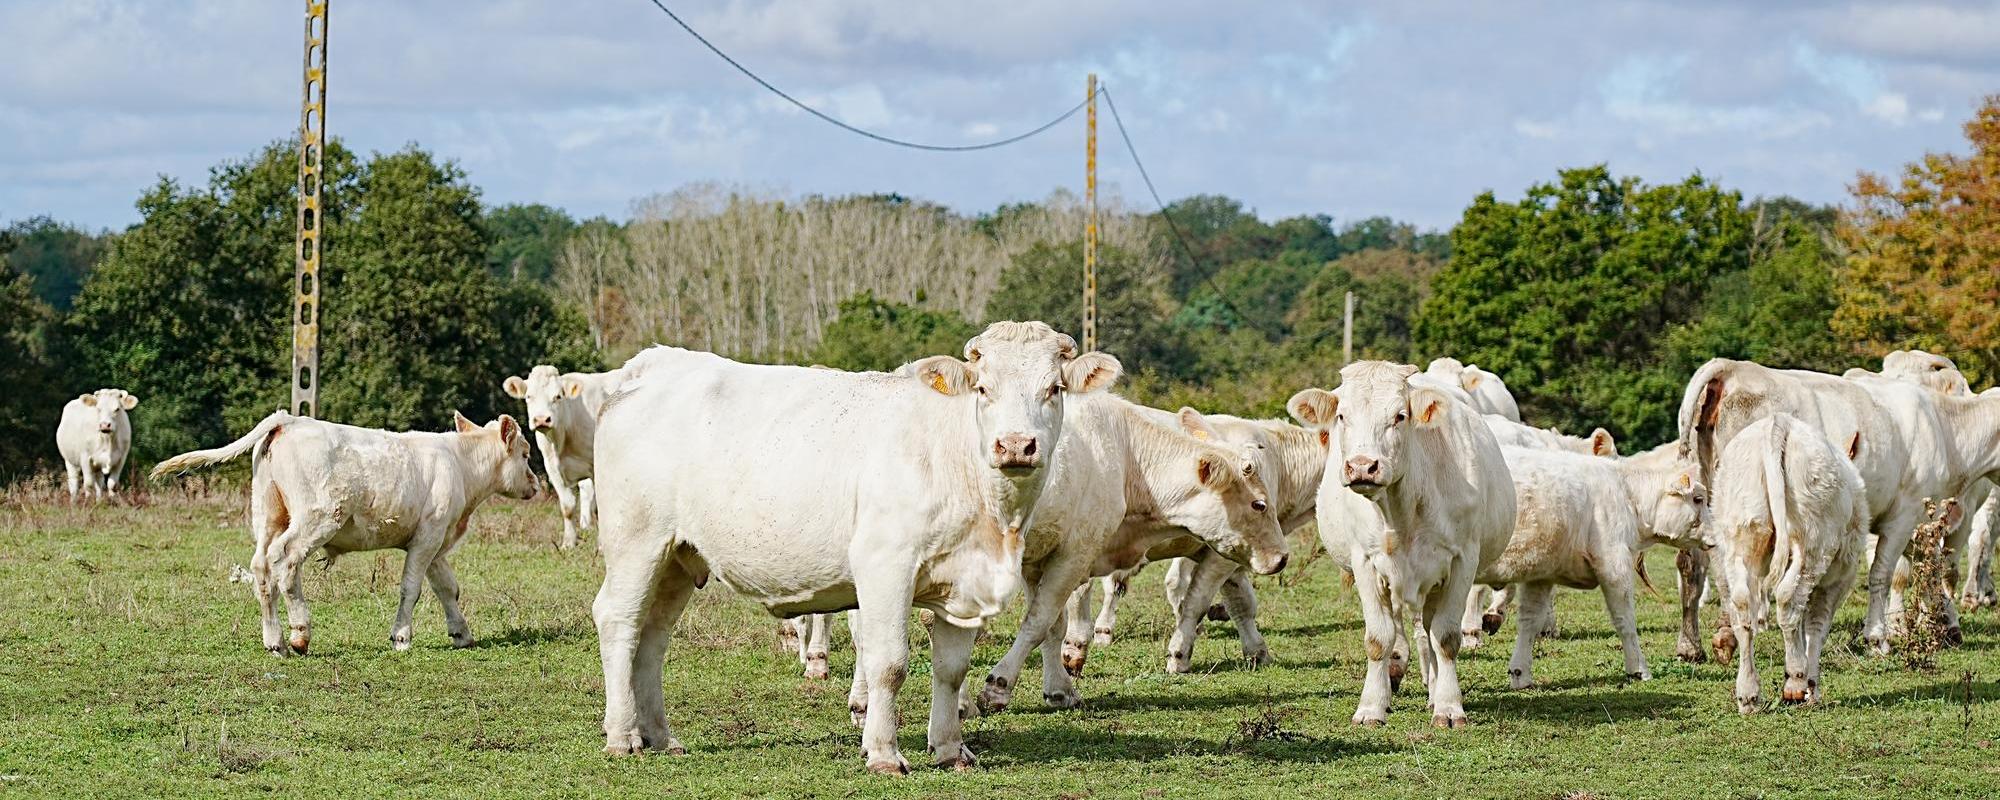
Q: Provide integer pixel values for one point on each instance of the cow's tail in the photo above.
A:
(203, 458)
(1776, 495)
(1700, 405)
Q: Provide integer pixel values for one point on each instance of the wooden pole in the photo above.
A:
(311, 218)
(1090, 226)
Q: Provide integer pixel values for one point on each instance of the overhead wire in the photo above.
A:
(1164, 214)
(953, 148)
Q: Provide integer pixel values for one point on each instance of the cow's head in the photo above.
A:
(1935, 372)
(1017, 373)
(1232, 511)
(1369, 419)
(106, 407)
(1682, 513)
(508, 449)
(551, 397)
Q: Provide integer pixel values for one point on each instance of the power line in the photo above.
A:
(1171, 225)
(850, 128)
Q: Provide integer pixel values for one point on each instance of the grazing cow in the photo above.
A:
(1974, 534)
(1417, 501)
(94, 437)
(1582, 521)
(562, 411)
(1489, 394)
(1123, 482)
(815, 491)
(320, 485)
(1291, 461)
(1791, 519)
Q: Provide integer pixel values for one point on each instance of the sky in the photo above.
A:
(1406, 109)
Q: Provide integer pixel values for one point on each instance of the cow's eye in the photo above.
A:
(980, 389)
(1401, 416)
(1258, 506)
(1339, 418)
(1054, 389)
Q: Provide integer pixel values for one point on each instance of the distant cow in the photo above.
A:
(1974, 535)
(1489, 394)
(1791, 520)
(94, 437)
(346, 489)
(562, 411)
(1416, 501)
(815, 491)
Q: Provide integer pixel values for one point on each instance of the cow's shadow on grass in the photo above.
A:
(534, 635)
(1604, 704)
(1950, 692)
(1126, 699)
(1051, 741)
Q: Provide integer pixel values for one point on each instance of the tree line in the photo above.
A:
(1593, 295)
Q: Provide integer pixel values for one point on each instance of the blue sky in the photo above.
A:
(1350, 109)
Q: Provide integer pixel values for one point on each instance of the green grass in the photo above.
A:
(125, 654)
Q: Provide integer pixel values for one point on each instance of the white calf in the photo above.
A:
(345, 489)
(1791, 520)
(1416, 500)
(94, 437)
(562, 411)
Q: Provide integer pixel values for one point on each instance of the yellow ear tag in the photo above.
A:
(1202, 435)
(937, 382)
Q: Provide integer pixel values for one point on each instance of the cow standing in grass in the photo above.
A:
(324, 485)
(1416, 501)
(562, 411)
(94, 437)
(815, 491)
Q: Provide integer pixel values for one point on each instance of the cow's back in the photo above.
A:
(1726, 401)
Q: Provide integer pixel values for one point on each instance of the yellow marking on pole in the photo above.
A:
(311, 240)
(1090, 226)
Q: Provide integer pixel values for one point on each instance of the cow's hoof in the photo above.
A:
(629, 743)
(1101, 636)
(460, 641)
(1180, 663)
(1218, 612)
(1792, 697)
(857, 713)
(1490, 623)
(1690, 652)
(1470, 640)
(1073, 657)
(896, 767)
(1641, 675)
(1518, 681)
(816, 668)
(960, 761)
(1448, 721)
(1369, 722)
(1396, 672)
(280, 649)
(1746, 705)
(1063, 700)
(995, 697)
(400, 644)
(1953, 636)
(1259, 659)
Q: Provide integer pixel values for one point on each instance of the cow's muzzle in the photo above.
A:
(1263, 565)
(1016, 452)
(541, 423)
(104, 427)
(1362, 474)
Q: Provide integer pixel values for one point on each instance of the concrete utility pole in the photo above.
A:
(1347, 333)
(1090, 227)
(311, 217)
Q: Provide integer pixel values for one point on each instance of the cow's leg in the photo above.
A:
(1985, 535)
(884, 615)
(111, 479)
(622, 603)
(1077, 629)
(73, 478)
(416, 561)
(1496, 611)
(790, 636)
(1046, 595)
(1537, 608)
(1470, 629)
(444, 584)
(1892, 539)
(814, 647)
(656, 626)
(1739, 585)
(1115, 585)
(1621, 602)
(1792, 599)
(1827, 598)
(1693, 567)
(857, 689)
(1058, 686)
(1240, 597)
(1202, 578)
(951, 659)
(1379, 632)
(586, 502)
(566, 500)
(1442, 613)
(306, 533)
(266, 528)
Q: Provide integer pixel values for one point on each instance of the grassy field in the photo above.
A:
(130, 666)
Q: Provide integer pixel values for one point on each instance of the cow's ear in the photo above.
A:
(572, 387)
(509, 429)
(1469, 378)
(1684, 483)
(1196, 425)
(1601, 443)
(1091, 372)
(1212, 471)
(1313, 408)
(1854, 446)
(1427, 406)
(944, 374)
(88, 399)
(515, 387)
(461, 424)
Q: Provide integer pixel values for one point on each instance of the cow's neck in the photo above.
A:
(1646, 476)
(479, 471)
(1159, 467)
(1973, 425)
(1427, 476)
(1301, 467)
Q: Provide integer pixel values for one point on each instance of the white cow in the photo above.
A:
(562, 411)
(1124, 481)
(1583, 521)
(94, 437)
(1791, 519)
(1973, 536)
(1416, 500)
(1510, 433)
(1489, 394)
(320, 485)
(1291, 460)
(815, 491)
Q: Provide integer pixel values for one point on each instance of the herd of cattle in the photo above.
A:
(952, 485)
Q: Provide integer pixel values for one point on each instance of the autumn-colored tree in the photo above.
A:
(1924, 262)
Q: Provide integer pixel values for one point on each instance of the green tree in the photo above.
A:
(56, 256)
(1388, 286)
(1254, 293)
(874, 334)
(1778, 312)
(1219, 232)
(32, 404)
(524, 241)
(1046, 283)
(1567, 293)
